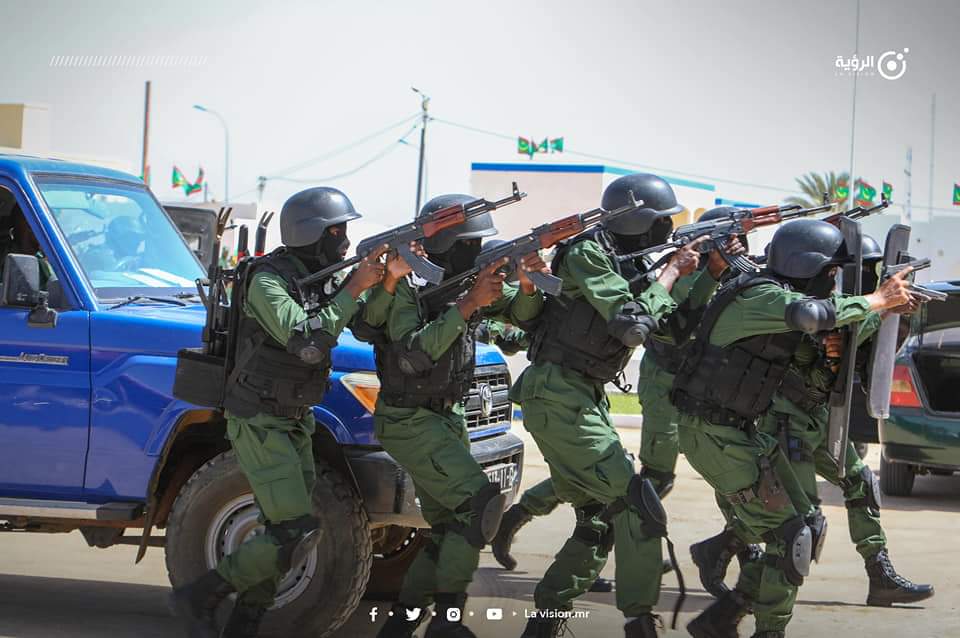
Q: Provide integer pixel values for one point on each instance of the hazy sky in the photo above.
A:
(745, 91)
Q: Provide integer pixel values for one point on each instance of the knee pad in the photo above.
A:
(643, 497)
(295, 538)
(486, 510)
(664, 479)
(871, 489)
(798, 550)
(817, 523)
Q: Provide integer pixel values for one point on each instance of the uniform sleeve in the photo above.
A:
(375, 306)
(762, 310)
(272, 306)
(591, 271)
(434, 337)
(868, 328)
(700, 289)
(514, 306)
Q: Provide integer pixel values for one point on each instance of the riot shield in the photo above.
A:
(884, 349)
(841, 395)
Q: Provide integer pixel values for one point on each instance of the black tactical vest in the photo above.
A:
(735, 384)
(265, 378)
(409, 379)
(571, 333)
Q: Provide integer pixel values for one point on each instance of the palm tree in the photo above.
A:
(814, 185)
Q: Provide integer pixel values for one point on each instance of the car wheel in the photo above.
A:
(215, 513)
(393, 552)
(896, 479)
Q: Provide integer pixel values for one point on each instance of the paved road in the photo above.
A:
(56, 587)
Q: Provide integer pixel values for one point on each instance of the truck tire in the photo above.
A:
(215, 512)
(392, 558)
(896, 479)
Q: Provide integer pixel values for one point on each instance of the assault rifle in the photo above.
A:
(399, 238)
(720, 231)
(858, 212)
(541, 237)
(216, 298)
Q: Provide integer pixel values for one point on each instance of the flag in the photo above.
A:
(887, 190)
(842, 191)
(556, 145)
(524, 147)
(865, 194)
(956, 194)
(199, 177)
(178, 179)
(190, 189)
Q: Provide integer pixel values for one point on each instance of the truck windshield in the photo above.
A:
(122, 238)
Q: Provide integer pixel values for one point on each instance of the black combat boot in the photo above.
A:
(888, 587)
(399, 624)
(543, 627)
(769, 634)
(244, 621)
(720, 619)
(645, 626)
(513, 519)
(448, 623)
(196, 604)
(713, 556)
(601, 585)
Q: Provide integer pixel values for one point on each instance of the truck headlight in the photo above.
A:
(364, 386)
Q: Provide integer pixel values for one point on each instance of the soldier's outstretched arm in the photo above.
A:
(406, 325)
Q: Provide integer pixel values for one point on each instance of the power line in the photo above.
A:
(380, 155)
(604, 158)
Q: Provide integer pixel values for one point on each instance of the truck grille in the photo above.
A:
(497, 378)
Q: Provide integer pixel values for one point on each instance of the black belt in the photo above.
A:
(436, 404)
(665, 355)
(711, 412)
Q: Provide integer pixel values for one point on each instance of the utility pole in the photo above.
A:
(261, 185)
(853, 117)
(424, 118)
(907, 215)
(933, 141)
(144, 164)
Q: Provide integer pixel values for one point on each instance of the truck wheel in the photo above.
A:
(393, 552)
(896, 479)
(215, 513)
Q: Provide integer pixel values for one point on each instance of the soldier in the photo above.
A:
(744, 348)
(282, 364)
(658, 444)
(425, 361)
(807, 451)
(583, 340)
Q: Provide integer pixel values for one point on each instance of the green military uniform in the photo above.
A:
(275, 452)
(732, 459)
(658, 439)
(509, 339)
(568, 416)
(433, 446)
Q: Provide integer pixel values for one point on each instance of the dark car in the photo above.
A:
(922, 433)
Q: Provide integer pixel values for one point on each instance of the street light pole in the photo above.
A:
(424, 104)
(226, 150)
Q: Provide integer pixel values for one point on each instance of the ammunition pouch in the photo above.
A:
(200, 378)
(805, 397)
(668, 357)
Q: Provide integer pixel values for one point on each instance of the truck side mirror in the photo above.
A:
(21, 281)
(21, 288)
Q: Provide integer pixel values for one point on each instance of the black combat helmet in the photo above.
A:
(871, 249)
(872, 256)
(476, 227)
(803, 249)
(307, 214)
(658, 199)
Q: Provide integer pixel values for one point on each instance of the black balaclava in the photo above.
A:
(460, 258)
(658, 234)
(819, 287)
(870, 278)
(326, 252)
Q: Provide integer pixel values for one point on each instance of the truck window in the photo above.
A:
(124, 241)
(16, 236)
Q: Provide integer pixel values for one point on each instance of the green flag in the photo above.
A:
(865, 194)
(887, 190)
(177, 179)
(524, 147)
(956, 194)
(842, 191)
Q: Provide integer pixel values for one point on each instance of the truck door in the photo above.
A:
(44, 384)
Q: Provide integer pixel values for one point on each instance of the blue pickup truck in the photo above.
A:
(98, 295)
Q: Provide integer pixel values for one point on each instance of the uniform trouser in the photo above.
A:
(730, 459)
(659, 439)
(434, 449)
(590, 468)
(276, 456)
(541, 499)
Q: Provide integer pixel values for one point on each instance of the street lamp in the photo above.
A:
(226, 150)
